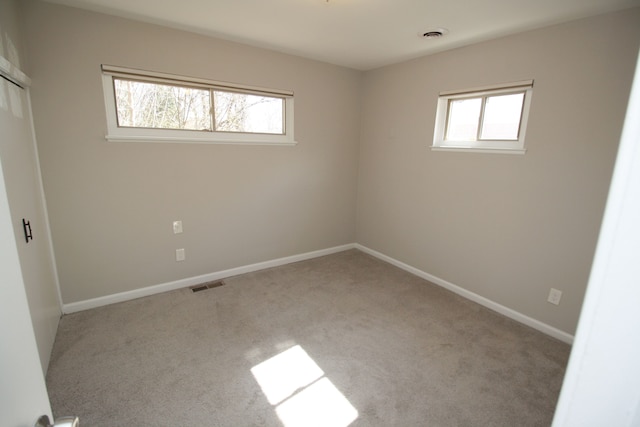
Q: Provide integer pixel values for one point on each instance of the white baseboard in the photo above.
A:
(505, 311)
(190, 281)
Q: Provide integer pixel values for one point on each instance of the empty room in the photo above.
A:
(319, 213)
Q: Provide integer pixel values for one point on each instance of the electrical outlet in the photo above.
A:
(180, 254)
(554, 296)
(177, 227)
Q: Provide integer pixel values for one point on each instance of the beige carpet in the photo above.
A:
(339, 340)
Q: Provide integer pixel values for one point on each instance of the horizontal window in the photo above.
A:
(149, 106)
(493, 118)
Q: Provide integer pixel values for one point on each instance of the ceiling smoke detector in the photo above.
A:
(434, 33)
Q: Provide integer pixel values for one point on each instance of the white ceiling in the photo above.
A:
(361, 34)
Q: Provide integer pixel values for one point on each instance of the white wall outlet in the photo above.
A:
(177, 227)
(180, 254)
(554, 296)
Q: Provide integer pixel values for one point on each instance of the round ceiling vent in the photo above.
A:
(433, 33)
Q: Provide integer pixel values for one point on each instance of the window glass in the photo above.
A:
(464, 115)
(239, 112)
(152, 105)
(501, 120)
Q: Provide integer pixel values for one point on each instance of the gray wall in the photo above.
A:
(505, 227)
(111, 205)
(24, 191)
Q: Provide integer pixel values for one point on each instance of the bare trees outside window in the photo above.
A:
(239, 112)
(163, 106)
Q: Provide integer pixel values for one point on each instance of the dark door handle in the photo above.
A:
(27, 230)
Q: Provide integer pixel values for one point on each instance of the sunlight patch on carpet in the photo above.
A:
(302, 395)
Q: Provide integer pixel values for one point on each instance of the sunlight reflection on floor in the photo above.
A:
(302, 395)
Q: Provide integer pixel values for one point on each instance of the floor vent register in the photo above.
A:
(205, 286)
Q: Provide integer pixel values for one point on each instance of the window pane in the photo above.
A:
(502, 117)
(151, 105)
(464, 115)
(239, 112)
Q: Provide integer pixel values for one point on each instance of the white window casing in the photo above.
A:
(442, 139)
(137, 134)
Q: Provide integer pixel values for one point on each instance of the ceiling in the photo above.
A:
(360, 34)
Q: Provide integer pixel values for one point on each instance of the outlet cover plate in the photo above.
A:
(554, 296)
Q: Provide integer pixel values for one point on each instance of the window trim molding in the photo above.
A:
(521, 84)
(481, 150)
(482, 146)
(131, 134)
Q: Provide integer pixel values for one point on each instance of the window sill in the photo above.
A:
(519, 151)
(200, 140)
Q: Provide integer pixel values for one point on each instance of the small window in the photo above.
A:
(149, 106)
(486, 119)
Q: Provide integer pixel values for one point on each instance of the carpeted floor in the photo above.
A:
(340, 340)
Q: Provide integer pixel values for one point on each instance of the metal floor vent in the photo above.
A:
(205, 286)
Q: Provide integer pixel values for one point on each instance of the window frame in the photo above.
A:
(440, 141)
(138, 134)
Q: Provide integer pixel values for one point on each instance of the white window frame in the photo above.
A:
(133, 134)
(440, 143)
